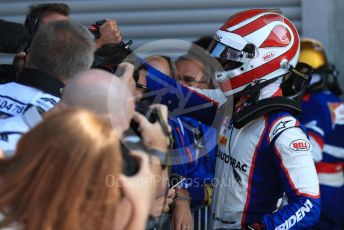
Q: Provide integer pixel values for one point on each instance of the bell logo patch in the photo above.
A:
(300, 145)
(268, 56)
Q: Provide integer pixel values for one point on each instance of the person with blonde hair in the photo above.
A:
(63, 181)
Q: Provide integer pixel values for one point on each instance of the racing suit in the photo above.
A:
(252, 176)
(323, 117)
(255, 165)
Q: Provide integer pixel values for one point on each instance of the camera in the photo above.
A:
(129, 166)
(151, 115)
(31, 24)
(94, 28)
(109, 56)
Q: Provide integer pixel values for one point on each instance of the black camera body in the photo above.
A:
(130, 165)
(109, 56)
(94, 28)
(31, 24)
(151, 115)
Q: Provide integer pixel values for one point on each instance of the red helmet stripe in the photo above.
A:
(279, 37)
(263, 70)
(257, 24)
(242, 16)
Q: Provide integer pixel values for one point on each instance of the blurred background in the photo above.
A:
(149, 20)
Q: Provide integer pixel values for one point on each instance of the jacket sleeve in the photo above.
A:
(314, 120)
(296, 169)
(180, 99)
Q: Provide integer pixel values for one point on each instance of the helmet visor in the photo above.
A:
(225, 53)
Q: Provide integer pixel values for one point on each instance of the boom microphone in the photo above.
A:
(13, 37)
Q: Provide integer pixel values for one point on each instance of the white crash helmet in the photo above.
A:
(254, 46)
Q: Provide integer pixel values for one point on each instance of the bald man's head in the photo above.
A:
(102, 93)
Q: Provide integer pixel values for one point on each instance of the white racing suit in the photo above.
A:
(255, 165)
(265, 158)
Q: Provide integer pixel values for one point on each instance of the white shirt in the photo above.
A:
(13, 128)
(16, 98)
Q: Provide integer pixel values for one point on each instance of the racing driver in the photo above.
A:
(263, 150)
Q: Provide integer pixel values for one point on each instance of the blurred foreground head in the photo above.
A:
(57, 178)
(104, 94)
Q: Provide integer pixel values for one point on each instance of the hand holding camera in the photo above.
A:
(106, 32)
(155, 133)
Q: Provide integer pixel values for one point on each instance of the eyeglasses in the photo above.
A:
(140, 86)
(190, 80)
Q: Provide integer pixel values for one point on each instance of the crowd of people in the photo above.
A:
(248, 123)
